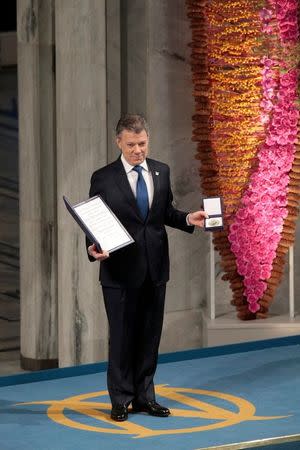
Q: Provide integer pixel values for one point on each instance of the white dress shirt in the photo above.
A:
(132, 176)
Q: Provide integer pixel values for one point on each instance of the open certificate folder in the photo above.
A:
(213, 207)
(100, 224)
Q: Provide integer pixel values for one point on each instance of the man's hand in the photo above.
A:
(92, 251)
(197, 218)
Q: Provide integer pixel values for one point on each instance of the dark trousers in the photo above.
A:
(135, 318)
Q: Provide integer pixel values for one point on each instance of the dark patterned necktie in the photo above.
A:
(141, 193)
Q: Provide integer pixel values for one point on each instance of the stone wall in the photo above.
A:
(90, 61)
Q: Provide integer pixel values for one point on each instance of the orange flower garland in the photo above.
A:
(227, 92)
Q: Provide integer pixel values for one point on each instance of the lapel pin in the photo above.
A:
(156, 173)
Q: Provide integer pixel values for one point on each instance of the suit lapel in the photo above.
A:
(156, 184)
(123, 183)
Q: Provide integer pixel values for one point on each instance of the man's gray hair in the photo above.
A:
(132, 122)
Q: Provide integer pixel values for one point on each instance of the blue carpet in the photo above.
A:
(215, 401)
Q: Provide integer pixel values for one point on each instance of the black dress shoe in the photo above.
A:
(152, 407)
(119, 413)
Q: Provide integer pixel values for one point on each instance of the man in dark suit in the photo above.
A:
(133, 279)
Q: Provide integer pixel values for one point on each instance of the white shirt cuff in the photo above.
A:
(187, 221)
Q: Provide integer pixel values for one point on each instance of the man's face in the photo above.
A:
(134, 146)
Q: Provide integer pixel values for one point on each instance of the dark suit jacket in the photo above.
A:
(128, 266)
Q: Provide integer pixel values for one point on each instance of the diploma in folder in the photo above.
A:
(99, 224)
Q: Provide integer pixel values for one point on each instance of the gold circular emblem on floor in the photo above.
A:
(239, 410)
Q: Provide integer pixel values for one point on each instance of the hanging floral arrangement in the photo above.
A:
(245, 65)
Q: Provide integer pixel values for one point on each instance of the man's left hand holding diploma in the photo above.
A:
(99, 256)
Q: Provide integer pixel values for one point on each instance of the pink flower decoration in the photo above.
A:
(256, 229)
(266, 14)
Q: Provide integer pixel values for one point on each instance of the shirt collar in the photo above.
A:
(128, 167)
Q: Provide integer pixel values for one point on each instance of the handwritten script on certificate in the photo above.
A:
(103, 224)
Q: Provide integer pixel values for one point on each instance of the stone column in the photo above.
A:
(158, 81)
(37, 148)
(113, 69)
(135, 57)
(81, 148)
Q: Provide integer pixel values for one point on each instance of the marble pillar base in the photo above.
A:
(227, 329)
(37, 364)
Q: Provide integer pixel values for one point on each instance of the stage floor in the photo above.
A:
(228, 401)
